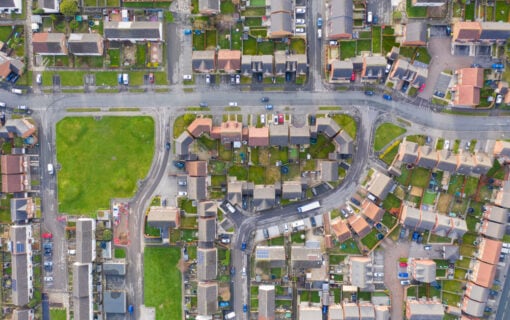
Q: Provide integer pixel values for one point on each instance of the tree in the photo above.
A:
(74, 25)
(68, 7)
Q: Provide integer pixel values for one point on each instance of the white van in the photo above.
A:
(125, 78)
(17, 91)
(230, 315)
(2, 104)
(50, 168)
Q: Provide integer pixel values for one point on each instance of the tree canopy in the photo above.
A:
(68, 7)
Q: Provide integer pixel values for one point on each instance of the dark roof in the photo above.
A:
(207, 298)
(7, 4)
(85, 43)
(22, 314)
(207, 209)
(19, 212)
(203, 60)
(341, 70)
(49, 4)
(299, 135)
(206, 230)
(49, 43)
(279, 135)
(20, 294)
(84, 240)
(114, 301)
(114, 268)
(81, 274)
(207, 260)
(197, 188)
(137, 30)
(416, 32)
(81, 307)
(182, 143)
(340, 18)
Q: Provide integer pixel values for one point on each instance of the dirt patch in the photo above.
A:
(224, 292)
(444, 203)
(129, 53)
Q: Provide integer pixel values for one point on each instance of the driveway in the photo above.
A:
(442, 58)
(393, 251)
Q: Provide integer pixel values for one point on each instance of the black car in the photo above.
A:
(369, 93)
(167, 145)
(312, 120)
(203, 104)
(264, 99)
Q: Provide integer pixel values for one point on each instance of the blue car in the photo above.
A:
(245, 308)
(403, 275)
(243, 246)
(369, 93)
(497, 66)
(387, 97)
(131, 309)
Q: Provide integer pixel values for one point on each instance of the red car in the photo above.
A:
(403, 264)
(280, 119)
(353, 76)
(422, 87)
(47, 235)
(151, 77)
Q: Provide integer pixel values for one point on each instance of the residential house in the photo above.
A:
(476, 292)
(466, 163)
(493, 229)
(344, 144)
(382, 312)
(428, 3)
(85, 44)
(12, 164)
(303, 257)
(299, 135)
(359, 225)
(11, 6)
(339, 19)
(114, 268)
(164, 218)
(10, 65)
(489, 250)
(424, 309)
(329, 170)
(472, 307)
(447, 161)
(258, 137)
(206, 230)
(22, 210)
(133, 31)
(197, 188)
(502, 149)
(114, 302)
(50, 6)
(341, 71)
(423, 270)
(82, 291)
(366, 310)
(17, 127)
(279, 135)
(182, 144)
(209, 7)
(351, 311)
(415, 34)
(264, 197)
(235, 192)
(443, 225)
(292, 190)
(393, 54)
(373, 68)
(340, 229)
(267, 306)
(85, 240)
(459, 228)
(12, 183)
(207, 209)
(308, 312)
(49, 44)
(427, 157)
(23, 314)
(360, 269)
(280, 60)
(231, 132)
(255, 65)
(483, 163)
(207, 298)
(274, 255)
(196, 168)
(410, 217)
(327, 126)
(496, 214)
(371, 211)
(379, 185)
(336, 312)
(203, 61)
(20, 238)
(503, 196)
(281, 14)
(483, 274)
(408, 152)
(207, 261)
(199, 126)
(296, 64)
(467, 90)
(229, 60)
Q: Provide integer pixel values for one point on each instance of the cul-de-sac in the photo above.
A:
(254, 159)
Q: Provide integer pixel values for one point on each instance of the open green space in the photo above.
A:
(469, 11)
(120, 253)
(415, 12)
(376, 39)
(429, 197)
(58, 314)
(497, 171)
(389, 220)
(385, 133)
(370, 240)
(420, 177)
(162, 282)
(227, 7)
(502, 11)
(347, 123)
(101, 158)
(347, 49)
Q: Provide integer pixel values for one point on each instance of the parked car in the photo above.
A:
(48, 279)
(369, 93)
(301, 10)
(499, 99)
(312, 120)
(203, 104)
(182, 182)
(47, 235)
(388, 68)
(207, 78)
(264, 99)
(300, 21)
(263, 118)
(422, 87)
(38, 79)
(243, 246)
(151, 77)
(319, 22)
(182, 193)
(404, 275)
(319, 33)
(245, 308)
(300, 30)
(405, 282)
(167, 146)
(232, 104)
(403, 264)
(446, 144)
(238, 79)
(387, 97)
(353, 76)
(269, 107)
(281, 119)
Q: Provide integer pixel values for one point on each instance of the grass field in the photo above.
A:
(58, 314)
(162, 282)
(385, 133)
(101, 159)
(391, 202)
(347, 123)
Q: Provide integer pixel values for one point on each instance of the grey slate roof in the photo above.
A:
(81, 279)
(279, 135)
(22, 314)
(340, 19)
(274, 255)
(203, 60)
(197, 188)
(207, 298)
(163, 218)
(305, 258)
(207, 209)
(7, 4)
(209, 5)
(50, 4)
(329, 170)
(207, 260)
(495, 31)
(416, 32)
(281, 24)
(341, 70)
(408, 152)
(374, 67)
(291, 190)
(427, 157)
(235, 192)
(266, 301)
(299, 135)
(85, 240)
(114, 301)
(182, 144)
(114, 269)
(264, 196)
(85, 44)
(133, 30)
(344, 143)
(81, 307)
(19, 276)
(20, 208)
(327, 126)
(206, 229)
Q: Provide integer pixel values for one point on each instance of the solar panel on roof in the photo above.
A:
(20, 247)
(13, 284)
(262, 254)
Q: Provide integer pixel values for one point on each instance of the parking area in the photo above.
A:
(382, 9)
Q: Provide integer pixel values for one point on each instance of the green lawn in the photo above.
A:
(469, 11)
(298, 45)
(321, 149)
(420, 177)
(429, 197)
(101, 159)
(141, 55)
(470, 186)
(376, 39)
(240, 172)
(336, 259)
(364, 45)
(415, 12)
(67, 78)
(385, 133)
(389, 220)
(370, 240)
(502, 11)
(106, 78)
(347, 123)
(347, 49)
(120, 253)
(58, 314)
(391, 201)
(349, 247)
(227, 7)
(497, 171)
(162, 282)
